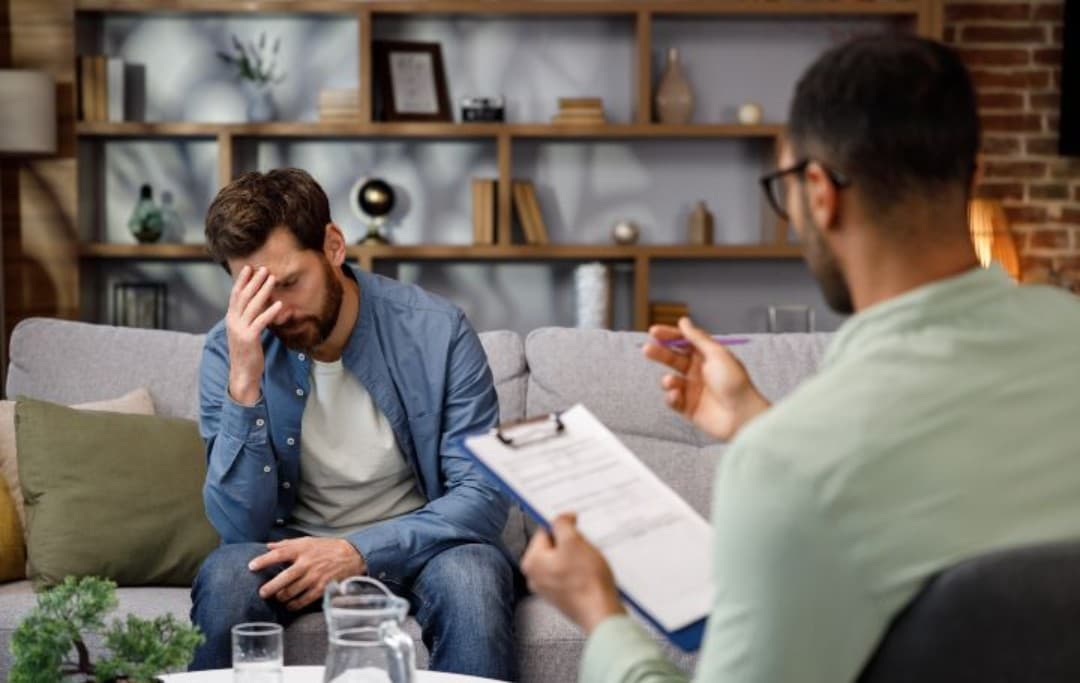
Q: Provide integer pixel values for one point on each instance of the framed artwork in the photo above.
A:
(411, 82)
(140, 304)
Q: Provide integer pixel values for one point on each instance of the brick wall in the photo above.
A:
(1013, 50)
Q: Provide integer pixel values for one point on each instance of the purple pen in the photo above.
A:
(682, 343)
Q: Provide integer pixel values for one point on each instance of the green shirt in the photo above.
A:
(943, 424)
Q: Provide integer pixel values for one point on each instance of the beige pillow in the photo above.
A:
(137, 402)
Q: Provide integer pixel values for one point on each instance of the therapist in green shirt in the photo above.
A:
(942, 425)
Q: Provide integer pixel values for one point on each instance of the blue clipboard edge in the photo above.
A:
(687, 639)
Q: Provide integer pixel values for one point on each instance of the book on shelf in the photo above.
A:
(85, 88)
(101, 87)
(580, 111)
(581, 103)
(667, 312)
(114, 89)
(483, 197)
(339, 105)
(102, 92)
(579, 119)
(527, 208)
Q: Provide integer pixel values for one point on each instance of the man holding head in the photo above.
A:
(330, 402)
(941, 425)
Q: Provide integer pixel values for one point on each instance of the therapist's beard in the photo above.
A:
(824, 265)
(308, 332)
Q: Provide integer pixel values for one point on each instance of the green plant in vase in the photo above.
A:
(50, 644)
(256, 67)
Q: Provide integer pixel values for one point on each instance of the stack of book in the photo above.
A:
(667, 312)
(483, 197)
(580, 111)
(339, 106)
(528, 213)
(101, 88)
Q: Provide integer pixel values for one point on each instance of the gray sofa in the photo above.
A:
(552, 369)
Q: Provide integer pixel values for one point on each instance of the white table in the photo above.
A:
(312, 674)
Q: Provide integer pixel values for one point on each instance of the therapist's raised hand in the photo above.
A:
(709, 385)
(569, 572)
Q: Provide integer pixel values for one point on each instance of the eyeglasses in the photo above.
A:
(773, 185)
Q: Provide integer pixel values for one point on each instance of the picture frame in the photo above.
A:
(410, 82)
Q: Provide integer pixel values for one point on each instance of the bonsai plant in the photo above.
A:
(49, 645)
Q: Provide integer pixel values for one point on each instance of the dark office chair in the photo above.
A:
(1008, 617)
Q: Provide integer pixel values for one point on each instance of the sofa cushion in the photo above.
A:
(69, 362)
(607, 372)
(136, 402)
(549, 646)
(506, 356)
(111, 495)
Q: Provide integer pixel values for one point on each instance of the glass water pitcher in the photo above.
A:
(367, 644)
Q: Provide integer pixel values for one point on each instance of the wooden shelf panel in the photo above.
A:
(446, 131)
(514, 7)
(287, 129)
(148, 252)
(646, 130)
(465, 252)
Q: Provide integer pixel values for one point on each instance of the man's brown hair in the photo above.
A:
(246, 211)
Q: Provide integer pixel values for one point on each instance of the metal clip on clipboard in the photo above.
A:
(528, 432)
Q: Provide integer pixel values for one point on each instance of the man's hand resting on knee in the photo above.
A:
(312, 563)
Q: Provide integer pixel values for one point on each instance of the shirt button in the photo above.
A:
(260, 422)
(302, 357)
(286, 485)
(279, 522)
(291, 441)
(299, 392)
(266, 469)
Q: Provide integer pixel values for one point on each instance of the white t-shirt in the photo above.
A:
(352, 474)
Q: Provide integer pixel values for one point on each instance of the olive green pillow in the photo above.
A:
(111, 495)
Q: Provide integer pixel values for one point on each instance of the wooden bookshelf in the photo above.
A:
(924, 17)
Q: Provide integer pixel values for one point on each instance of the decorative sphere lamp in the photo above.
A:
(372, 201)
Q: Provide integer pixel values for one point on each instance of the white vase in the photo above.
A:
(260, 102)
(592, 294)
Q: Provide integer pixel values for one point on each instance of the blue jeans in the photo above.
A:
(463, 600)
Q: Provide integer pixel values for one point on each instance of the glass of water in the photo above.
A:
(257, 653)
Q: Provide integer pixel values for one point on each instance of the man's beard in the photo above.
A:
(304, 334)
(824, 266)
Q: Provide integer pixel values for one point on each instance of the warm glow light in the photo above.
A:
(992, 238)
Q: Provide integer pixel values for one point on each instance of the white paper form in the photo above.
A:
(656, 544)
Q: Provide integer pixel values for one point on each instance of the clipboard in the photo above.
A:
(546, 431)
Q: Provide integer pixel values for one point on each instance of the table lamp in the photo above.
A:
(991, 235)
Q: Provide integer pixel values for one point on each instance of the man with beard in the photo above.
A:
(941, 425)
(330, 402)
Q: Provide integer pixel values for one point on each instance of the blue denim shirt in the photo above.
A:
(419, 358)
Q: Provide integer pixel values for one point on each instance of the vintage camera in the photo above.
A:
(475, 109)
